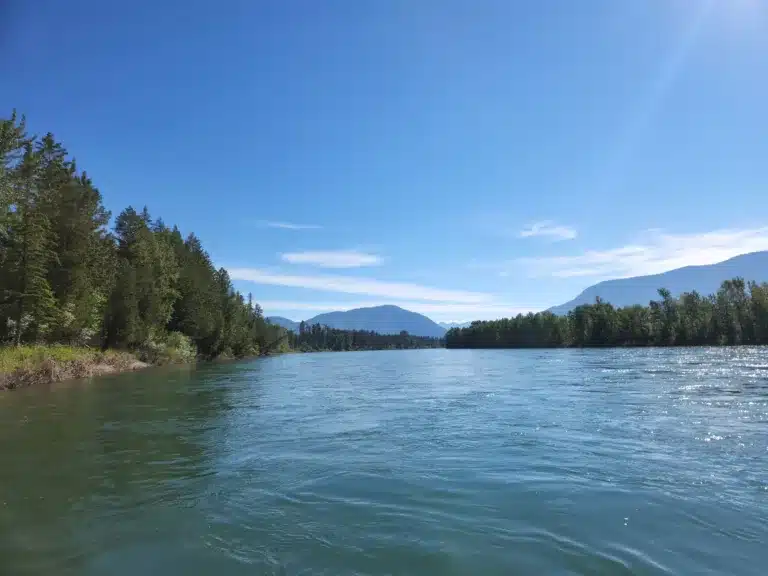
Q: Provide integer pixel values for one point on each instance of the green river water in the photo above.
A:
(424, 462)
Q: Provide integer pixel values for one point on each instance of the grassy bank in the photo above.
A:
(22, 366)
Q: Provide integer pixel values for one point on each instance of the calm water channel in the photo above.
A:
(405, 462)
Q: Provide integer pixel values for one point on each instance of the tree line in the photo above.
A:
(67, 277)
(737, 314)
(316, 337)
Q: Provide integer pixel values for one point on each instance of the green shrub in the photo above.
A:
(175, 348)
(31, 357)
(180, 348)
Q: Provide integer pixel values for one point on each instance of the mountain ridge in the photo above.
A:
(449, 325)
(386, 319)
(286, 323)
(705, 279)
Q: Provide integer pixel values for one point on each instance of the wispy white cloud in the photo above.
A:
(435, 310)
(333, 259)
(549, 229)
(288, 225)
(356, 285)
(652, 253)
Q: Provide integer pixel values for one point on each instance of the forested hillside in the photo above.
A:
(736, 314)
(642, 289)
(311, 337)
(284, 322)
(66, 277)
(386, 319)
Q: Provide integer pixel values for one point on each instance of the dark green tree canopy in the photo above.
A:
(737, 314)
(65, 277)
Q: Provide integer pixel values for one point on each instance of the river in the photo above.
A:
(400, 462)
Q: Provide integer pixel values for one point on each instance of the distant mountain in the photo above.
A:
(284, 322)
(449, 325)
(642, 289)
(381, 319)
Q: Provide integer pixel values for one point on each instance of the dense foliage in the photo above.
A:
(737, 314)
(66, 278)
(317, 337)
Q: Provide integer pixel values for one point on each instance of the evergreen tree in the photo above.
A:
(737, 314)
(28, 299)
(65, 277)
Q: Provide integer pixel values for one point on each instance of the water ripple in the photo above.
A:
(414, 462)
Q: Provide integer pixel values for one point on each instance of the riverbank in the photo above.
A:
(24, 366)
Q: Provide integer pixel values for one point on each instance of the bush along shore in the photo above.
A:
(77, 285)
(27, 365)
(73, 279)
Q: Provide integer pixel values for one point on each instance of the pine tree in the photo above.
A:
(27, 291)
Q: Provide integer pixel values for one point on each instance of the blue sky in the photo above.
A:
(465, 159)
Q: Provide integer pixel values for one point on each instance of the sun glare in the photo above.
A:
(741, 14)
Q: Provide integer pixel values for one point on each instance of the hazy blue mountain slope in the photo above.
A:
(381, 319)
(284, 322)
(642, 289)
(449, 325)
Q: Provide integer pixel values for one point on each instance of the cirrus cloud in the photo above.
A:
(548, 229)
(288, 225)
(332, 258)
(357, 285)
(652, 253)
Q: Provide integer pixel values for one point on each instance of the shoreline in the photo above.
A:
(49, 368)
(46, 366)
